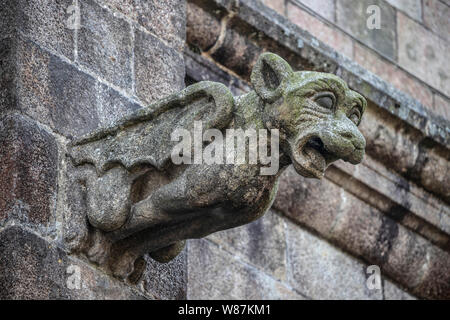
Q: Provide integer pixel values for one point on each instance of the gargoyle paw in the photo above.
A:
(123, 266)
(99, 251)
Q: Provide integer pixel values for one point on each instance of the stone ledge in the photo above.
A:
(365, 232)
(46, 87)
(33, 268)
(200, 69)
(401, 200)
(227, 277)
(229, 255)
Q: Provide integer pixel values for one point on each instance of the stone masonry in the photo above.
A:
(59, 81)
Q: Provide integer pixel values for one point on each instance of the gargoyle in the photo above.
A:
(128, 198)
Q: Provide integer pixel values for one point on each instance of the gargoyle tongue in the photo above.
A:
(316, 159)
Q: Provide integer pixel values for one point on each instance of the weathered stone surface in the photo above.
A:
(325, 8)
(324, 272)
(167, 280)
(442, 106)
(49, 90)
(423, 53)
(164, 19)
(389, 141)
(330, 36)
(404, 256)
(394, 75)
(393, 292)
(203, 28)
(445, 221)
(216, 274)
(407, 258)
(365, 232)
(7, 14)
(125, 7)
(235, 51)
(104, 44)
(7, 75)
(413, 8)
(436, 15)
(28, 166)
(351, 16)
(261, 243)
(277, 5)
(32, 268)
(199, 69)
(435, 171)
(403, 149)
(44, 22)
(282, 34)
(112, 106)
(301, 200)
(336, 219)
(158, 72)
(436, 281)
(396, 197)
(40, 79)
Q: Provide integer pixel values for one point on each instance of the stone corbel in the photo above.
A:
(129, 198)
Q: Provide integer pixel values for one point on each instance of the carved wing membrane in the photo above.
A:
(144, 136)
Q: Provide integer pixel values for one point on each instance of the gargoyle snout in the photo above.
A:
(357, 144)
(355, 137)
(343, 139)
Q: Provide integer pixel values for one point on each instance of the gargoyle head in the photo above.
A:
(316, 113)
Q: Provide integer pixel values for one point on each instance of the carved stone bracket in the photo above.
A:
(129, 198)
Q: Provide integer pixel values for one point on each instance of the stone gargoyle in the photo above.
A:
(128, 198)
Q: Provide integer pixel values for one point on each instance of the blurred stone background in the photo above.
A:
(392, 210)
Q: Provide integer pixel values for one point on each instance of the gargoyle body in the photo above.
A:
(129, 198)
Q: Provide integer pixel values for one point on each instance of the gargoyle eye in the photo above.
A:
(355, 116)
(325, 100)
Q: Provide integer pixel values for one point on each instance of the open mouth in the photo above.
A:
(315, 156)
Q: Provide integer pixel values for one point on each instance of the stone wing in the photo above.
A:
(144, 137)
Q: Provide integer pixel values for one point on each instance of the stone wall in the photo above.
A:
(59, 81)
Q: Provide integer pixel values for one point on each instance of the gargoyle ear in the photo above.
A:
(268, 74)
